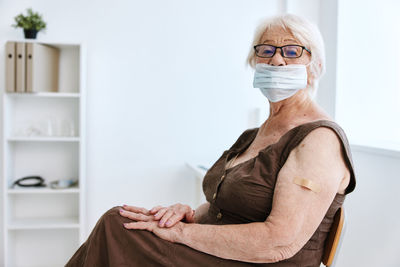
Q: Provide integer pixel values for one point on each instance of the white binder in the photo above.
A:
(10, 66)
(42, 67)
(20, 68)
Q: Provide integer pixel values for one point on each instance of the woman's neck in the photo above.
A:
(288, 113)
(290, 107)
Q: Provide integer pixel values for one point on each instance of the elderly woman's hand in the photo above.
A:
(136, 213)
(166, 216)
(169, 216)
(171, 234)
(142, 219)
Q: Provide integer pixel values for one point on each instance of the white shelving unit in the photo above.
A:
(44, 134)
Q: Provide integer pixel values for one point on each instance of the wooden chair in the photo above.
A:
(334, 239)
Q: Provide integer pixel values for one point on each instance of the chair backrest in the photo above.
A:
(335, 236)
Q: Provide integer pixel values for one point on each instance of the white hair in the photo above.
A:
(306, 33)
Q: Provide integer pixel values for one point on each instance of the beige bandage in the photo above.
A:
(307, 184)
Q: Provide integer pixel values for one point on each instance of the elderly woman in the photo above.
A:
(271, 197)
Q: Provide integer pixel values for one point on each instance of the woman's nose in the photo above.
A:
(277, 59)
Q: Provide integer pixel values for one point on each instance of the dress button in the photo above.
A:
(222, 177)
(219, 215)
(215, 196)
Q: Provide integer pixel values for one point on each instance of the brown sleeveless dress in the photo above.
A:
(237, 195)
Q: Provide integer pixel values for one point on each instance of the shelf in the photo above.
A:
(52, 43)
(43, 133)
(42, 191)
(44, 223)
(45, 94)
(43, 139)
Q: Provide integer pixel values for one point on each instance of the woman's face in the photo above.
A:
(279, 37)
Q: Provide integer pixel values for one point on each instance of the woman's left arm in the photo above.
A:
(296, 211)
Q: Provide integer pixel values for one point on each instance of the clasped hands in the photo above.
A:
(165, 222)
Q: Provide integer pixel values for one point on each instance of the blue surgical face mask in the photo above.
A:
(280, 82)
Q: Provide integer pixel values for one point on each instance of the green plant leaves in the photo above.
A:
(29, 22)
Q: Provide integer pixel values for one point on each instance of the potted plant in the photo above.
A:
(31, 23)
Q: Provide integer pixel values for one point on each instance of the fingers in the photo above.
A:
(170, 218)
(139, 226)
(136, 209)
(173, 220)
(189, 216)
(155, 209)
(169, 234)
(165, 217)
(160, 214)
(135, 216)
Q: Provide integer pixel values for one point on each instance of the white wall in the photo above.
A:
(167, 83)
(368, 67)
(326, 95)
(373, 232)
(367, 107)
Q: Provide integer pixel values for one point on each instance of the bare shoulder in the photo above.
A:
(322, 148)
(321, 138)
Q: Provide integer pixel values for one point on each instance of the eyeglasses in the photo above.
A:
(287, 51)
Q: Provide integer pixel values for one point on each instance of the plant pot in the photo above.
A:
(30, 33)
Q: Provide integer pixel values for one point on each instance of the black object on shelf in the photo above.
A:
(30, 181)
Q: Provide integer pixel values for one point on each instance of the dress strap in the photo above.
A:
(244, 139)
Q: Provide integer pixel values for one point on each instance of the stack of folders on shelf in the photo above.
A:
(31, 67)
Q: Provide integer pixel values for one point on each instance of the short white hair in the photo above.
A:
(306, 33)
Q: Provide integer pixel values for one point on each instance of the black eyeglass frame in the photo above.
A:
(276, 48)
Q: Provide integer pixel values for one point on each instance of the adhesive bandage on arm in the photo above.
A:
(306, 183)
